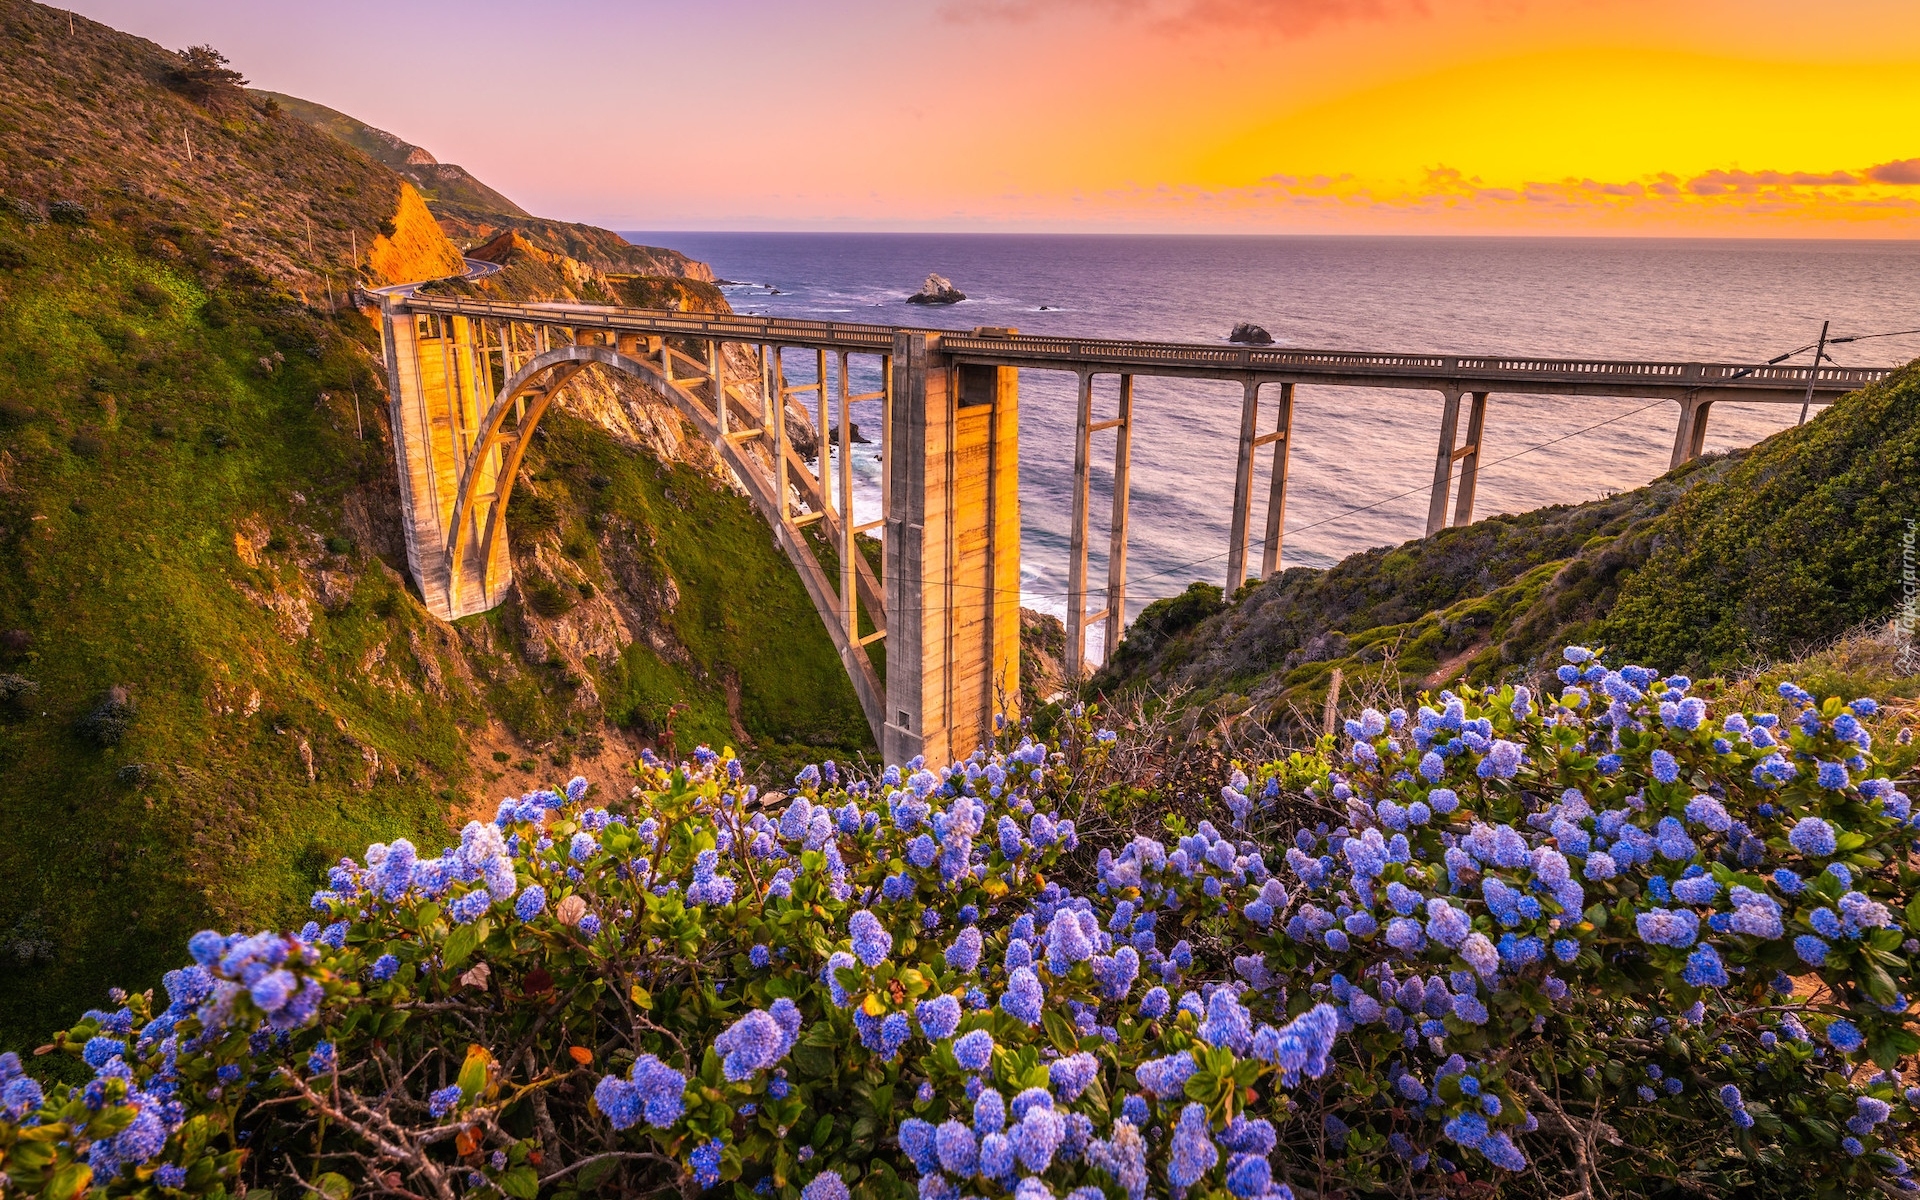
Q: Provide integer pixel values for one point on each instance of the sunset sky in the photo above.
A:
(1723, 117)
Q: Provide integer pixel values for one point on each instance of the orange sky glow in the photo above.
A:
(1698, 117)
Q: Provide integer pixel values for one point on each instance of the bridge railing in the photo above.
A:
(1501, 372)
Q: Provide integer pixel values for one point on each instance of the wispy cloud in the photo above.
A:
(1885, 197)
(1906, 170)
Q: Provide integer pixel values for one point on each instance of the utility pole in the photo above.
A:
(1819, 352)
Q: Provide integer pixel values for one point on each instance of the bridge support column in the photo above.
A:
(1117, 538)
(1443, 464)
(431, 366)
(953, 547)
(1073, 662)
(1282, 439)
(1243, 487)
(1691, 437)
(1469, 456)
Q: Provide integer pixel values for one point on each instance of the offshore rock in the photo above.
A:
(937, 289)
(1249, 334)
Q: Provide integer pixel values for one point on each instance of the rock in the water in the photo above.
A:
(937, 289)
(853, 434)
(1247, 333)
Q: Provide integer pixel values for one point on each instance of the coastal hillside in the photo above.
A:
(215, 678)
(1723, 564)
(472, 213)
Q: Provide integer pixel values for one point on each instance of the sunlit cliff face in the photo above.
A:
(1736, 117)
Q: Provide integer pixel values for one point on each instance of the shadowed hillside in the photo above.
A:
(214, 675)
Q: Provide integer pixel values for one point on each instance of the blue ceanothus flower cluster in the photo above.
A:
(1519, 916)
(1690, 912)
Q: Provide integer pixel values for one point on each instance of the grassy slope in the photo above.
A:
(1722, 563)
(143, 433)
(627, 516)
(182, 489)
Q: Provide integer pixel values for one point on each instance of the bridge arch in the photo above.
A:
(475, 552)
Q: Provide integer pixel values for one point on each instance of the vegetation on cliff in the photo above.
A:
(214, 677)
(1725, 563)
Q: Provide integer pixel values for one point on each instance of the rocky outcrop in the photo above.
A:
(1249, 334)
(937, 289)
(416, 248)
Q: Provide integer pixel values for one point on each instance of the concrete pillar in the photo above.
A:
(1469, 456)
(1117, 537)
(1443, 464)
(1074, 660)
(953, 536)
(1277, 490)
(777, 400)
(1243, 487)
(1691, 436)
(849, 544)
(435, 409)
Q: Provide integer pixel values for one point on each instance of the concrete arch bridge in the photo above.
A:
(469, 381)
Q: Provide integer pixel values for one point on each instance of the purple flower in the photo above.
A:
(1665, 768)
(1023, 996)
(444, 1101)
(758, 1040)
(532, 902)
(705, 1163)
(1812, 837)
(1668, 927)
(939, 1017)
(871, 942)
(964, 953)
(1166, 1077)
(1071, 1075)
(1192, 1153)
(974, 1050)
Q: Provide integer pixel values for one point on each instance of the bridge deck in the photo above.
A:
(1196, 360)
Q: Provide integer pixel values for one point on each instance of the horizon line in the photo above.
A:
(1453, 236)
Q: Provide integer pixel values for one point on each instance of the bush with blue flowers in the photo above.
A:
(1504, 944)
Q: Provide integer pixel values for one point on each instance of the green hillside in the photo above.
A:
(1725, 563)
(214, 677)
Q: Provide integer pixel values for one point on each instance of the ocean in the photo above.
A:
(1362, 462)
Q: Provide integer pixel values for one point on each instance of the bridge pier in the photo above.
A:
(1117, 535)
(953, 545)
(434, 413)
(1691, 436)
(1467, 455)
(1282, 438)
(1074, 660)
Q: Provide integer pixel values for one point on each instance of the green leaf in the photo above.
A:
(473, 1072)
(522, 1183)
(822, 1130)
(332, 1186)
(1059, 1031)
(1880, 987)
(461, 943)
(68, 1182)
